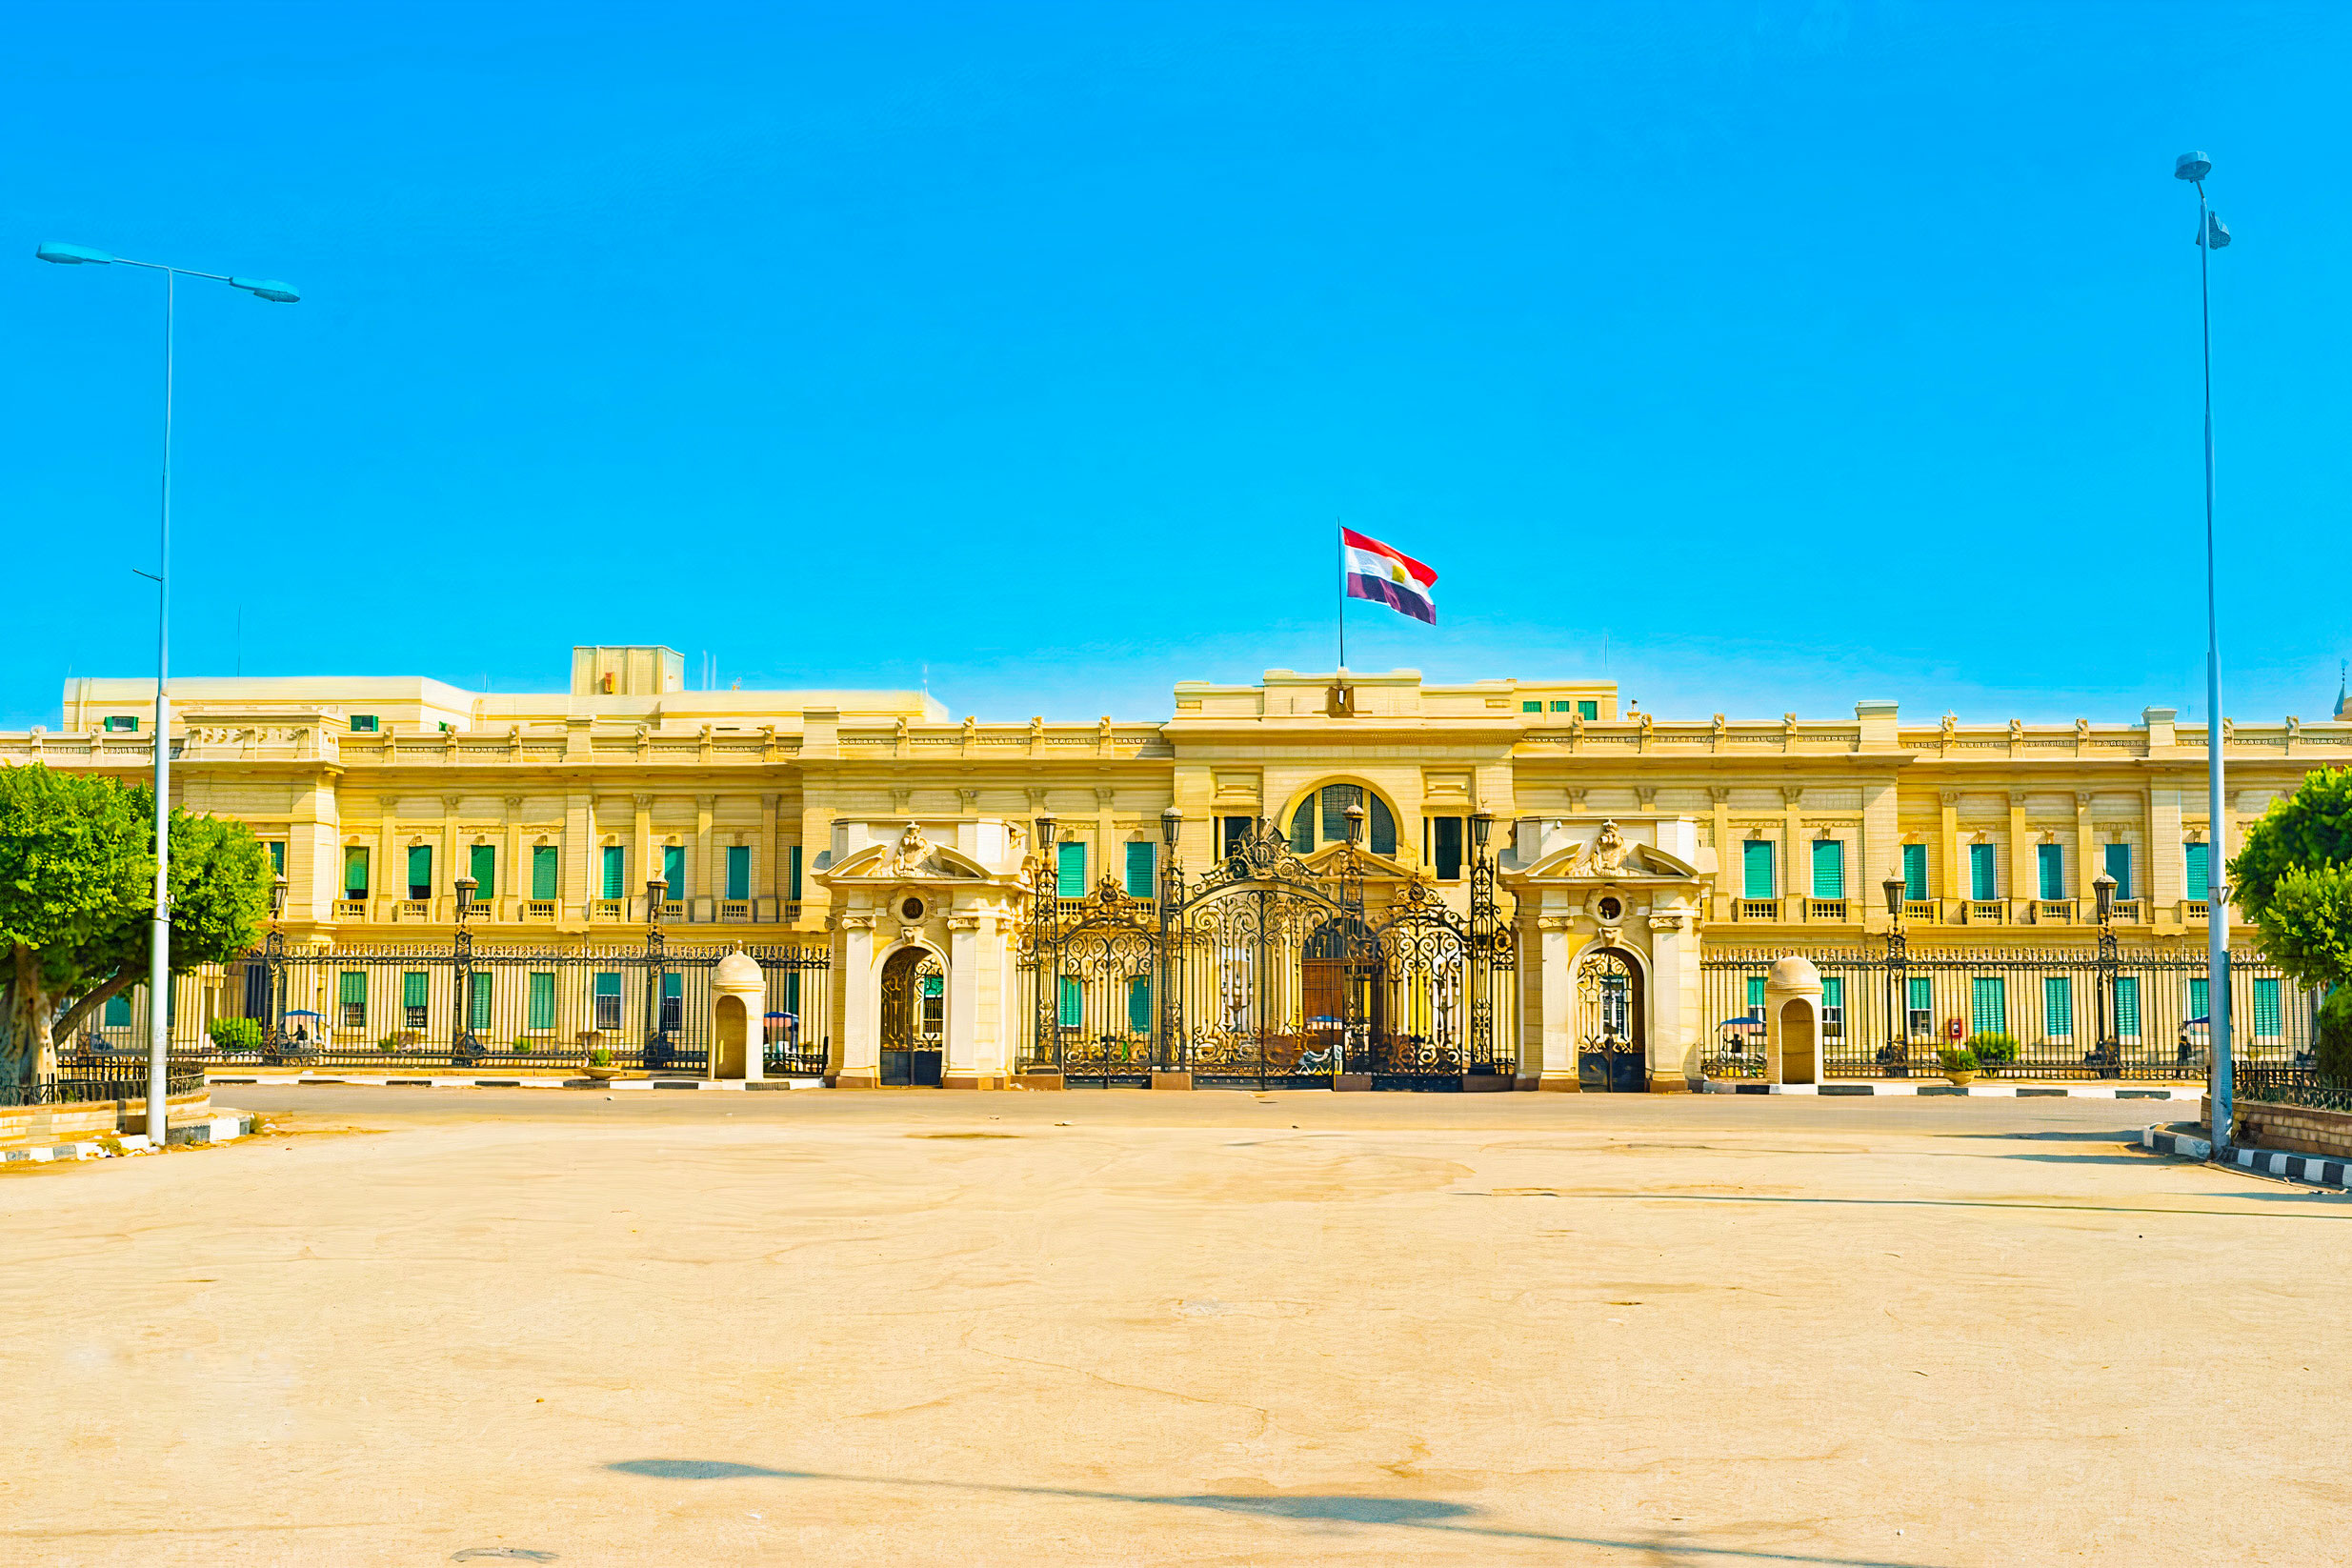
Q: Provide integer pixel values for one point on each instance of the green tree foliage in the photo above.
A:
(77, 896)
(2333, 1044)
(2294, 878)
(2309, 829)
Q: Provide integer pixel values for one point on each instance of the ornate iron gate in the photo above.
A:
(914, 1019)
(1611, 1052)
(1094, 966)
(1440, 984)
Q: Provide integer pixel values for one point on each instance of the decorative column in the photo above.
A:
(963, 1068)
(703, 877)
(1558, 938)
(1793, 886)
(770, 868)
(861, 1040)
(644, 864)
(514, 875)
(1948, 872)
(1674, 1029)
(1719, 795)
(446, 870)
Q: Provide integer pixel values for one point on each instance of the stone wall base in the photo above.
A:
(1486, 1083)
(2298, 1129)
(1669, 1083)
(1171, 1080)
(1038, 1080)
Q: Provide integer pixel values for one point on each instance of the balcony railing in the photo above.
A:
(1831, 910)
(351, 909)
(539, 909)
(412, 909)
(1984, 912)
(607, 909)
(1920, 909)
(1755, 909)
(2130, 911)
(2051, 912)
(2194, 908)
(734, 908)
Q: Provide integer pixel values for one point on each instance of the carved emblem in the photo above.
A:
(913, 849)
(1609, 852)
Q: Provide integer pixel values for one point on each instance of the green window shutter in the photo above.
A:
(1755, 993)
(1069, 870)
(608, 985)
(674, 871)
(420, 870)
(609, 872)
(1982, 882)
(2127, 1007)
(1915, 871)
(1525, 707)
(2051, 859)
(118, 1011)
(351, 989)
(1139, 1005)
(2201, 998)
(2119, 867)
(792, 992)
(414, 988)
(2198, 858)
(739, 871)
(2265, 1009)
(1072, 1007)
(1142, 869)
(542, 1013)
(1383, 837)
(546, 865)
(1833, 990)
(483, 979)
(791, 872)
(672, 985)
(277, 857)
(1302, 827)
(363, 724)
(1988, 1005)
(2058, 1007)
(1922, 994)
(355, 871)
(1755, 869)
(1828, 868)
(1588, 710)
(484, 870)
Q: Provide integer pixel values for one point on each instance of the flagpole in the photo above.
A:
(1340, 538)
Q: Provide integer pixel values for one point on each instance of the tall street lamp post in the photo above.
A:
(160, 968)
(2211, 236)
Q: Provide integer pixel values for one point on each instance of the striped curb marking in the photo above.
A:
(375, 1080)
(215, 1129)
(1978, 1091)
(2311, 1168)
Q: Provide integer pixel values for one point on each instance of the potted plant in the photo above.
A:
(1959, 1065)
(521, 1045)
(388, 1043)
(233, 1036)
(1993, 1049)
(599, 1065)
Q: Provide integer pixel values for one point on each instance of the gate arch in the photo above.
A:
(1612, 1032)
(913, 1017)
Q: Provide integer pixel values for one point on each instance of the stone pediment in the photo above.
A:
(911, 857)
(1373, 865)
(1636, 863)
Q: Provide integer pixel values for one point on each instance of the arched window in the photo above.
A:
(1322, 818)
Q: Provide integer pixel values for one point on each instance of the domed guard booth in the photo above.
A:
(738, 997)
(1792, 1021)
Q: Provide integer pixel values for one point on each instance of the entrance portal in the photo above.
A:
(913, 1017)
(734, 1029)
(1612, 1048)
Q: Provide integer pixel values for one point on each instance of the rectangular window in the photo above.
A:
(2200, 995)
(1828, 868)
(2265, 1009)
(355, 871)
(1072, 1008)
(478, 1014)
(1588, 708)
(352, 998)
(1914, 872)
(1531, 706)
(792, 995)
(607, 1001)
(1233, 832)
(542, 1006)
(122, 724)
(277, 857)
(118, 1011)
(739, 871)
(2119, 867)
(482, 865)
(673, 1001)
(2058, 1007)
(1833, 1007)
(1563, 707)
(1142, 869)
(792, 874)
(673, 872)
(1069, 870)
(2198, 860)
(2050, 860)
(1921, 1008)
(546, 871)
(420, 870)
(1446, 840)
(1139, 1004)
(363, 724)
(2127, 1007)
(414, 995)
(1988, 1005)
(1981, 881)
(1756, 997)
(1755, 869)
(615, 880)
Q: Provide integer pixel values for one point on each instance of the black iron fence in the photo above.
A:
(2112, 1014)
(2290, 1085)
(645, 1007)
(113, 1081)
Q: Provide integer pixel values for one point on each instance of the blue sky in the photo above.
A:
(1790, 353)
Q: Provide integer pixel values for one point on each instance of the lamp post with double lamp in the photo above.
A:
(657, 1042)
(2110, 1049)
(1897, 1049)
(2211, 236)
(1169, 1049)
(159, 971)
(462, 1040)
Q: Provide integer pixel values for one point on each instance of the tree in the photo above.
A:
(77, 876)
(2294, 879)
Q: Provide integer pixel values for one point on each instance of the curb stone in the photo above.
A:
(380, 1080)
(2314, 1169)
(1973, 1091)
(211, 1130)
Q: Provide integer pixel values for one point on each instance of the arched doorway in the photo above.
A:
(1612, 1045)
(913, 1017)
(1799, 1042)
(734, 1031)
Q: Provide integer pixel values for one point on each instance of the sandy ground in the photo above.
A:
(429, 1326)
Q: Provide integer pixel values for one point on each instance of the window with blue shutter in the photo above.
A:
(352, 998)
(1142, 869)
(1828, 868)
(1071, 1010)
(672, 999)
(547, 867)
(608, 994)
(1833, 1006)
(479, 1011)
(2119, 867)
(673, 872)
(420, 870)
(1755, 869)
(1588, 708)
(2200, 995)
(483, 868)
(1988, 1005)
(1139, 1004)
(355, 871)
(1756, 996)
(364, 724)
(739, 871)
(2051, 860)
(118, 1011)
(542, 1009)
(2265, 1009)
(122, 724)
(2198, 859)
(791, 872)
(1531, 706)
(1069, 870)
(416, 992)
(1562, 707)
(616, 873)
(1914, 872)
(2058, 1007)
(1981, 883)
(1920, 1007)
(2127, 1007)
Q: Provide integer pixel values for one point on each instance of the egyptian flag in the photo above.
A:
(1374, 570)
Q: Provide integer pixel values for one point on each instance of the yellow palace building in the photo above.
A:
(1366, 881)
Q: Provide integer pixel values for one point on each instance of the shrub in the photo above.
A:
(234, 1034)
(1961, 1060)
(1993, 1048)
(522, 1045)
(2332, 1047)
(600, 1056)
(388, 1042)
